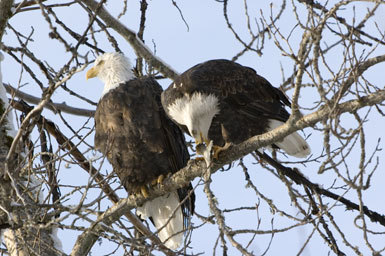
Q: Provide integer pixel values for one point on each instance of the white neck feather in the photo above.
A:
(116, 69)
(114, 80)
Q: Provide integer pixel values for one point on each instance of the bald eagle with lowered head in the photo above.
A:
(225, 102)
(141, 143)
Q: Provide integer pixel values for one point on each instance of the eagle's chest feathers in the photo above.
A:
(195, 111)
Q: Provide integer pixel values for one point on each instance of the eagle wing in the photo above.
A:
(248, 104)
(247, 101)
(239, 86)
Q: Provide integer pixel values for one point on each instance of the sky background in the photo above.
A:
(209, 38)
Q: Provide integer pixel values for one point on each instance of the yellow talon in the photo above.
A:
(218, 149)
(144, 191)
(160, 179)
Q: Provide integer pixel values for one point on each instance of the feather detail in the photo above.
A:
(160, 209)
(293, 144)
(195, 111)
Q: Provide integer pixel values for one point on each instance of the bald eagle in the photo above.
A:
(141, 143)
(227, 103)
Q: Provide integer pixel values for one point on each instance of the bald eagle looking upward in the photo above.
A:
(225, 102)
(141, 142)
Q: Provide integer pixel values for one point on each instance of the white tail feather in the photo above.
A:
(161, 209)
(292, 144)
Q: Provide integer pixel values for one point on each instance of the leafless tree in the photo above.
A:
(51, 177)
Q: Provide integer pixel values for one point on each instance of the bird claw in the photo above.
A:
(144, 191)
(218, 149)
(158, 180)
(210, 151)
(200, 148)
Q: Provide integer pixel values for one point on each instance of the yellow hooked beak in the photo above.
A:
(93, 72)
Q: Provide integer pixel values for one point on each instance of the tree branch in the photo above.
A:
(197, 168)
(54, 107)
(130, 36)
(35, 112)
(299, 179)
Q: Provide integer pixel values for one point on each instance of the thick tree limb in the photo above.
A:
(198, 168)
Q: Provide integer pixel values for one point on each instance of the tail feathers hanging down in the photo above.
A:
(160, 210)
(293, 144)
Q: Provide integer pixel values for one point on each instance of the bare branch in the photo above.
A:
(131, 37)
(54, 107)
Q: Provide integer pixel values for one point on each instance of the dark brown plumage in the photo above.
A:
(139, 140)
(141, 143)
(247, 104)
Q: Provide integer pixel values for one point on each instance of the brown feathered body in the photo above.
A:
(139, 140)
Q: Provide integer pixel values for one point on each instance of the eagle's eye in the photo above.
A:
(99, 63)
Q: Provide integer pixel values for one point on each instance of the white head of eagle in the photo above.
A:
(113, 69)
(196, 112)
